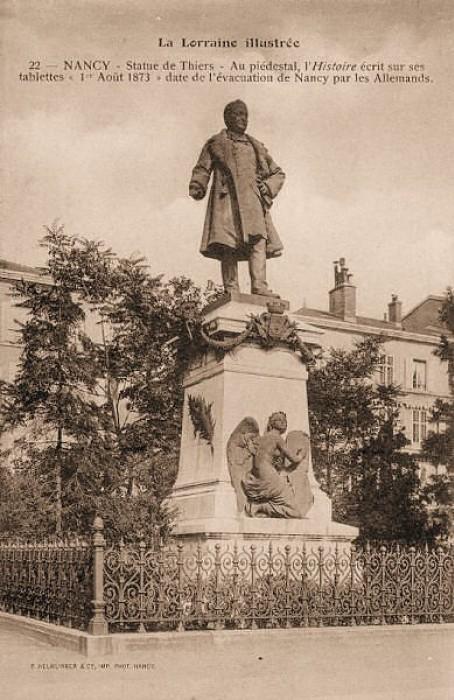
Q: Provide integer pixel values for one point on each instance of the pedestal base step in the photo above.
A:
(262, 530)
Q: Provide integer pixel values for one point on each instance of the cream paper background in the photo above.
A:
(369, 171)
(369, 167)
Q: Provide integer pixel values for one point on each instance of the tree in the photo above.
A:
(99, 379)
(386, 501)
(24, 507)
(446, 353)
(438, 447)
(343, 408)
(358, 447)
(55, 380)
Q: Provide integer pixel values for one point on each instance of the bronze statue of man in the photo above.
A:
(238, 224)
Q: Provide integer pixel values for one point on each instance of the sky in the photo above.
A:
(369, 167)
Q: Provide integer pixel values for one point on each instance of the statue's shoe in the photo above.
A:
(265, 292)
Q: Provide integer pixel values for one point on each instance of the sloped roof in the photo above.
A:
(360, 320)
(422, 319)
(16, 267)
(425, 316)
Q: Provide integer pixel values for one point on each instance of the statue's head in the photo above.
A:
(235, 116)
(278, 421)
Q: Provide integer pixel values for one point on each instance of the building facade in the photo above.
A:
(10, 313)
(408, 358)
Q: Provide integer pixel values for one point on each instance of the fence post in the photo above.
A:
(383, 598)
(98, 624)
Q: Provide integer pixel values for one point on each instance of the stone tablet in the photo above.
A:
(299, 440)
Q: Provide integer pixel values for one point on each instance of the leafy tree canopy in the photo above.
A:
(359, 448)
(96, 402)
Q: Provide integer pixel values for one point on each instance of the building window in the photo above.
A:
(419, 426)
(386, 370)
(419, 375)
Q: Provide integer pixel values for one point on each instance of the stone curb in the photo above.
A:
(101, 645)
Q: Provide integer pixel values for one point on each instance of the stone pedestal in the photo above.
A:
(247, 381)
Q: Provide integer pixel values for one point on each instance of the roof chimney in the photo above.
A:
(342, 299)
(395, 310)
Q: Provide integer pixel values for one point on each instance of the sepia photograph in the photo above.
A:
(227, 349)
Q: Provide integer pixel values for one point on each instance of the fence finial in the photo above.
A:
(98, 524)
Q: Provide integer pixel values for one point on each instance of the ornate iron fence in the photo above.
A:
(49, 580)
(183, 587)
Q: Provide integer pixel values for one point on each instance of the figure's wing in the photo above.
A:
(299, 440)
(240, 456)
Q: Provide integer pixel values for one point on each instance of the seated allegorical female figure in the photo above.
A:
(268, 491)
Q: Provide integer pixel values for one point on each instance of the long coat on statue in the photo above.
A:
(237, 212)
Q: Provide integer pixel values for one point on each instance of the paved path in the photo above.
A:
(413, 664)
